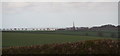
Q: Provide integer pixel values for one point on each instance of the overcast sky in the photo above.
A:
(59, 0)
(58, 14)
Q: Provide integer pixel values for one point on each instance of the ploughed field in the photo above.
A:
(28, 38)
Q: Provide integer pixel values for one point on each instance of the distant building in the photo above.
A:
(82, 28)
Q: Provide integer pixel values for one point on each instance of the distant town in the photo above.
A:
(95, 28)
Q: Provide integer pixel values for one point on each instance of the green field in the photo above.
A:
(39, 38)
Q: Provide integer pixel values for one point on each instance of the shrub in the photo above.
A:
(100, 34)
(113, 35)
(86, 34)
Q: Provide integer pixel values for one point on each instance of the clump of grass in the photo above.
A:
(103, 46)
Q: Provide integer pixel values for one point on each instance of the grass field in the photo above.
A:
(39, 38)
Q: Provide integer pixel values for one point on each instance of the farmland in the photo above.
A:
(28, 38)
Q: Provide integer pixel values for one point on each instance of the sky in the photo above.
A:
(59, 0)
(0, 15)
(58, 14)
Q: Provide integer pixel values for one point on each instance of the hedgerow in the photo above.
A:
(104, 46)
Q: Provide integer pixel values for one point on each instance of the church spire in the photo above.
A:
(73, 26)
